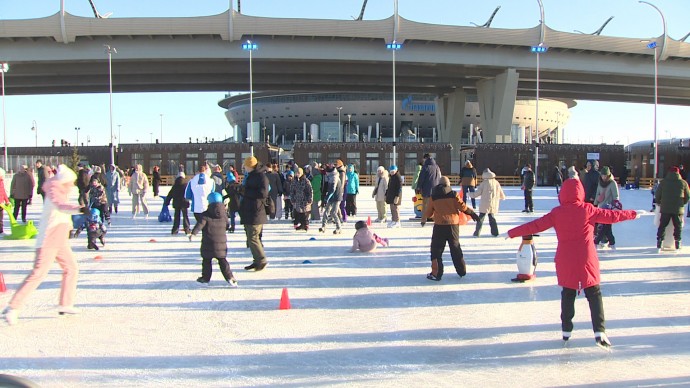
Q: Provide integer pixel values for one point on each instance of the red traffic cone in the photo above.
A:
(3, 288)
(369, 221)
(284, 300)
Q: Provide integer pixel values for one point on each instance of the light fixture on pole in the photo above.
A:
(339, 108)
(538, 49)
(77, 129)
(34, 127)
(250, 46)
(654, 46)
(119, 134)
(394, 46)
(349, 121)
(161, 128)
(4, 68)
(110, 51)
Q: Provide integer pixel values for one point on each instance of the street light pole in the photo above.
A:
(653, 45)
(249, 46)
(110, 51)
(394, 46)
(34, 127)
(77, 129)
(119, 134)
(339, 108)
(4, 67)
(349, 121)
(538, 49)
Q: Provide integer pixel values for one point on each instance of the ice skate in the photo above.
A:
(602, 340)
(68, 310)
(202, 280)
(11, 316)
(232, 282)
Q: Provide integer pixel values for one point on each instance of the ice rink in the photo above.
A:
(364, 320)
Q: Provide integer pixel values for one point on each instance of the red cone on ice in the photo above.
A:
(3, 288)
(152, 240)
(369, 221)
(284, 300)
(98, 257)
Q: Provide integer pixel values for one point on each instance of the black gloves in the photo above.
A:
(472, 214)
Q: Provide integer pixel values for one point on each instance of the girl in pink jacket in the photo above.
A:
(365, 240)
(577, 263)
(52, 244)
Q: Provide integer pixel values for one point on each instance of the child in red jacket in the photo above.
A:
(577, 263)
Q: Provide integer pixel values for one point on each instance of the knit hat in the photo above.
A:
(393, 168)
(65, 174)
(338, 163)
(230, 177)
(605, 171)
(250, 162)
(572, 172)
(215, 197)
(381, 169)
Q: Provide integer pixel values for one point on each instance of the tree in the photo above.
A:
(74, 160)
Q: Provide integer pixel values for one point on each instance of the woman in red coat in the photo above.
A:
(577, 263)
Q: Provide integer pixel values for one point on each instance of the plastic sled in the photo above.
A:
(19, 231)
(164, 215)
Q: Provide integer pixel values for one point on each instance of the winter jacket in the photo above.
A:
(112, 181)
(232, 190)
(342, 179)
(490, 192)
(394, 190)
(275, 183)
(468, 175)
(198, 189)
(591, 181)
(352, 185)
(672, 194)
(287, 185)
(97, 195)
(138, 183)
(301, 195)
(57, 211)
(214, 240)
(577, 263)
(41, 175)
(557, 176)
(333, 187)
(528, 180)
(381, 185)
(316, 183)
(156, 180)
(363, 240)
(445, 207)
(218, 182)
(429, 177)
(607, 192)
(83, 179)
(176, 195)
(255, 192)
(22, 186)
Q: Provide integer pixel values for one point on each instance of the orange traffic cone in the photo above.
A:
(3, 288)
(284, 300)
(369, 221)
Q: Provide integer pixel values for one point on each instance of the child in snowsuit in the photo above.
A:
(577, 263)
(212, 224)
(365, 240)
(98, 199)
(445, 207)
(301, 196)
(95, 229)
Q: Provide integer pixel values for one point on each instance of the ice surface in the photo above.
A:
(356, 319)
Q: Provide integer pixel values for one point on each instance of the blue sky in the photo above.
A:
(56, 116)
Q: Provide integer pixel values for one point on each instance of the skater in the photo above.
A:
(557, 179)
(254, 191)
(138, 186)
(672, 195)
(198, 189)
(95, 229)
(527, 186)
(287, 187)
(83, 178)
(316, 184)
(214, 240)
(332, 200)
(365, 240)
(394, 196)
(275, 183)
(301, 197)
(180, 204)
(429, 177)
(351, 191)
(491, 194)
(379, 193)
(607, 197)
(52, 244)
(445, 207)
(577, 262)
(98, 199)
(232, 190)
(112, 188)
(468, 181)
(156, 180)
(42, 172)
(21, 190)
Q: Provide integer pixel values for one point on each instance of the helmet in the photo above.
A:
(215, 198)
(95, 214)
(360, 224)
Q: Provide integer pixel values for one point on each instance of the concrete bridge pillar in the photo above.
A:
(496, 106)
(450, 113)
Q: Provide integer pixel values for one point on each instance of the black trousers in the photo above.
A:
(181, 211)
(222, 264)
(605, 233)
(596, 308)
(301, 219)
(20, 203)
(351, 204)
(660, 233)
(492, 224)
(528, 200)
(450, 234)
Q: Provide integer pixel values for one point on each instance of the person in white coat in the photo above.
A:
(491, 194)
(138, 186)
(198, 189)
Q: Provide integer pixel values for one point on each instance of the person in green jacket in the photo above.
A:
(316, 184)
(672, 195)
(416, 176)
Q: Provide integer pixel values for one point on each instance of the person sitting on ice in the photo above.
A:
(214, 240)
(365, 240)
(95, 229)
(576, 259)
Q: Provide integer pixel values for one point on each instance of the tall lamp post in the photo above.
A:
(394, 46)
(339, 108)
(4, 68)
(161, 128)
(250, 46)
(654, 46)
(119, 134)
(34, 127)
(110, 51)
(77, 129)
(538, 49)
